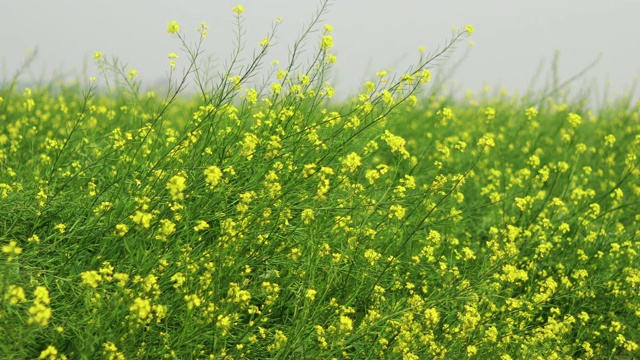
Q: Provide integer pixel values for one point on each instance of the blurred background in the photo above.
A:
(513, 39)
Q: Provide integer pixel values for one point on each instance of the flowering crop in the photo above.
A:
(262, 220)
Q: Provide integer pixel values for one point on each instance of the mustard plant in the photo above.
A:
(261, 218)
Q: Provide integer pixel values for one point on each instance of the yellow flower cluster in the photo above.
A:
(11, 249)
(40, 312)
(272, 221)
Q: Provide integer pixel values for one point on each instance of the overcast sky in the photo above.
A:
(511, 37)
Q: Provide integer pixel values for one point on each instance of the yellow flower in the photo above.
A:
(252, 96)
(487, 140)
(50, 353)
(352, 161)
(173, 27)
(15, 294)
(249, 145)
(12, 249)
(265, 42)
(201, 225)
(469, 30)
(203, 29)
(295, 254)
(531, 113)
(141, 308)
(97, 55)
(192, 301)
(278, 340)
(142, 218)
(327, 42)
(471, 350)
(396, 143)
(470, 318)
(468, 253)
(175, 186)
(39, 312)
(213, 175)
(574, 119)
(630, 346)
(446, 114)
(122, 279)
(237, 295)
(490, 113)
(330, 92)
(372, 256)
(106, 270)
(609, 140)
(491, 334)
(238, 9)
(397, 211)
(224, 323)
(91, 278)
(276, 88)
(168, 227)
(372, 175)
(310, 294)
(61, 228)
(110, 347)
(172, 59)
(513, 274)
(161, 312)
(387, 97)
(346, 324)
(307, 216)
(178, 279)
(121, 230)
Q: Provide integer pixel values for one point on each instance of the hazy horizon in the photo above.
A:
(511, 39)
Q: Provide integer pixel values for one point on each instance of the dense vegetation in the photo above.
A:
(263, 220)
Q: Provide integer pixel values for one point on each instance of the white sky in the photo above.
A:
(512, 36)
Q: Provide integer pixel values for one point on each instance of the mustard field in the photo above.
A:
(257, 217)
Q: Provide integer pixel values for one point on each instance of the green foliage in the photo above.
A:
(266, 221)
